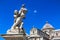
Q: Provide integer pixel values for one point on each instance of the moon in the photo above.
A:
(35, 11)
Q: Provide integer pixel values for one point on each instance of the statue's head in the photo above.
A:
(24, 10)
(23, 5)
(15, 12)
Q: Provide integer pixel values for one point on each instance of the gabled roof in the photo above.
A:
(47, 26)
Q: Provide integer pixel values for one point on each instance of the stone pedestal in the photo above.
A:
(14, 36)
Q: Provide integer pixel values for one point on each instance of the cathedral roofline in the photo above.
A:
(47, 26)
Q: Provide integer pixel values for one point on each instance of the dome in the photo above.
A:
(47, 26)
(33, 28)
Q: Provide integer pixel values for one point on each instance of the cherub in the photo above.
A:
(19, 16)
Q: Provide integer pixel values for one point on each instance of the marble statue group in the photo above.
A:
(18, 20)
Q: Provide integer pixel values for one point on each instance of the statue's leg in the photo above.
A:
(17, 22)
(21, 25)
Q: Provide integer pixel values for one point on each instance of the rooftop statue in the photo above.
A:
(18, 19)
(19, 16)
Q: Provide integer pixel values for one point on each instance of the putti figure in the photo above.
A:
(18, 19)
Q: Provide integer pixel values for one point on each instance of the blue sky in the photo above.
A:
(46, 10)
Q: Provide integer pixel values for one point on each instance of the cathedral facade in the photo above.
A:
(16, 32)
(46, 33)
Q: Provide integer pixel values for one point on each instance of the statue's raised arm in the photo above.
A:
(19, 16)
